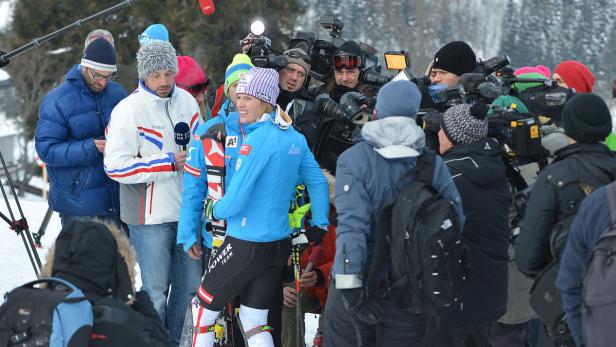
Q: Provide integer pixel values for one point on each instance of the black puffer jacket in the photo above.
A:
(558, 192)
(479, 174)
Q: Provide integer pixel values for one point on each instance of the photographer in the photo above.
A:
(348, 62)
(333, 137)
(294, 97)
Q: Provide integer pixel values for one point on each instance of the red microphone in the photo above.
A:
(314, 257)
(207, 7)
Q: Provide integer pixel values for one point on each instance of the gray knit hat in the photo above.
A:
(298, 56)
(156, 56)
(261, 83)
(464, 125)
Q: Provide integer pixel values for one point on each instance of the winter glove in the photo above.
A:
(367, 311)
(208, 209)
(315, 235)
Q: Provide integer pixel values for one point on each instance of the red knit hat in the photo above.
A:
(190, 76)
(576, 75)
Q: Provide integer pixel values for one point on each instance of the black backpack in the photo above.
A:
(45, 312)
(420, 232)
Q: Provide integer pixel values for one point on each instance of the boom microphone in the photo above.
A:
(182, 134)
(207, 7)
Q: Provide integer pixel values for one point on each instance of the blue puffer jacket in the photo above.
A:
(366, 177)
(194, 188)
(70, 118)
(270, 163)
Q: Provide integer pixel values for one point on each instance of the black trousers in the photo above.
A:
(397, 328)
(251, 270)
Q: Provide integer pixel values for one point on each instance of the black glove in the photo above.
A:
(367, 311)
(315, 235)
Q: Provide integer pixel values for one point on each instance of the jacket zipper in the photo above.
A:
(170, 120)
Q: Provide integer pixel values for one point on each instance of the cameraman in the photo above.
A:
(333, 137)
(348, 61)
(294, 97)
(450, 62)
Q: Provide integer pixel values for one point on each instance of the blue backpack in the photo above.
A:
(57, 314)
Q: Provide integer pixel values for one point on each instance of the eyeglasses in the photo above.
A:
(97, 77)
(348, 62)
(298, 55)
(195, 88)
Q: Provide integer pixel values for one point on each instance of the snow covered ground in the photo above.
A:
(15, 267)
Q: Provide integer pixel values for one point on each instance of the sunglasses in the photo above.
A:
(348, 62)
(196, 88)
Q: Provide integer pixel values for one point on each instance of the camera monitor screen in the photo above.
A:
(396, 60)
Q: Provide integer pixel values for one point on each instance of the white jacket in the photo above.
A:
(139, 153)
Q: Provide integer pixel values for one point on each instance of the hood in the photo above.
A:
(480, 162)
(96, 257)
(395, 137)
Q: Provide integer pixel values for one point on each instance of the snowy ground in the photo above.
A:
(15, 267)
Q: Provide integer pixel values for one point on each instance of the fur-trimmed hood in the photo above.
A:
(96, 257)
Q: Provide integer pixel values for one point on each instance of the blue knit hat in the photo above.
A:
(260, 83)
(100, 55)
(398, 99)
(155, 32)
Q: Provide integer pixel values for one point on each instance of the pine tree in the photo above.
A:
(211, 40)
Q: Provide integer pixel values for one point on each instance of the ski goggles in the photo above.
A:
(348, 62)
(195, 88)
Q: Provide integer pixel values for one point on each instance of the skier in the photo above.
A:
(272, 160)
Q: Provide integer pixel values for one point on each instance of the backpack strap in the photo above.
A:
(611, 199)
(424, 170)
(381, 248)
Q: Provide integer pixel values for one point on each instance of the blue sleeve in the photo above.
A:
(318, 189)
(354, 209)
(251, 165)
(52, 141)
(590, 222)
(444, 183)
(194, 191)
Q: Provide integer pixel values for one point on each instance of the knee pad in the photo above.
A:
(255, 328)
(204, 323)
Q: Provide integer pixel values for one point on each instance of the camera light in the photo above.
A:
(257, 27)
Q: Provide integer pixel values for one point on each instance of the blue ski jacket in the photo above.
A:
(194, 189)
(272, 160)
(70, 118)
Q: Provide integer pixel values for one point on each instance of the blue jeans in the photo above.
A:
(113, 219)
(166, 269)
